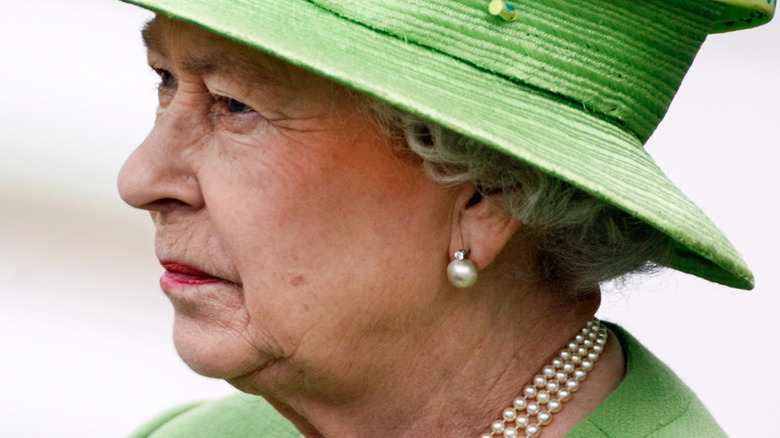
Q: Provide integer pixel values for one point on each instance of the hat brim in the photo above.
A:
(744, 14)
(552, 134)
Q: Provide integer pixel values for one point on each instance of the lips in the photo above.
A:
(179, 275)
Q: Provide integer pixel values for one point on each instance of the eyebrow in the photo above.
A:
(237, 68)
(152, 38)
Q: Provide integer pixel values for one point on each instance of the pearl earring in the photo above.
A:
(462, 272)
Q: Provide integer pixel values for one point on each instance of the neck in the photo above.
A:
(459, 375)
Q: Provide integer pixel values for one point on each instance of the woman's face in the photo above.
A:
(295, 239)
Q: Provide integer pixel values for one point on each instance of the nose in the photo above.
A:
(161, 173)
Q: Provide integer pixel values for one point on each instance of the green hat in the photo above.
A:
(574, 87)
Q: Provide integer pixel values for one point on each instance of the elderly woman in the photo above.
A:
(392, 218)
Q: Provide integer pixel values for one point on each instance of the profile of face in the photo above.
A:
(295, 238)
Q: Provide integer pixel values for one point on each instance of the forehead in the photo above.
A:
(201, 52)
(167, 36)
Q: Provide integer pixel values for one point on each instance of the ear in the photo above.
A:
(481, 226)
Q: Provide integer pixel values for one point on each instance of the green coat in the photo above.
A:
(651, 401)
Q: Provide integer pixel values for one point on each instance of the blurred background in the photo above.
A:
(85, 343)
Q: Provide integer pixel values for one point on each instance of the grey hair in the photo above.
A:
(578, 241)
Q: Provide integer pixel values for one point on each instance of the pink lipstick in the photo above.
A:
(178, 275)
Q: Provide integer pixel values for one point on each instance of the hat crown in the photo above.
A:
(622, 60)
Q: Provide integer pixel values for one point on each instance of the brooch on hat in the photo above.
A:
(502, 10)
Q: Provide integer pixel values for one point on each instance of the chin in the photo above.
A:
(216, 352)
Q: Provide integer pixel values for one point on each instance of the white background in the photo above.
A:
(85, 348)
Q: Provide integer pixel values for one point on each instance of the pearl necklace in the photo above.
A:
(553, 386)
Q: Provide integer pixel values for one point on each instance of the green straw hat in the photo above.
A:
(574, 87)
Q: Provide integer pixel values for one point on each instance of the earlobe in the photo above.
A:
(481, 226)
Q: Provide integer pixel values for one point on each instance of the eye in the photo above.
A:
(234, 106)
(236, 116)
(167, 79)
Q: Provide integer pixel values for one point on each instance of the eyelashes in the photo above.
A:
(236, 107)
(167, 79)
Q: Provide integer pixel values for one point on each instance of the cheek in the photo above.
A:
(329, 242)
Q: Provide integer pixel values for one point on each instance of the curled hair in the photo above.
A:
(577, 241)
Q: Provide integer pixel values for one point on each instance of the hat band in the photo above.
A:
(621, 59)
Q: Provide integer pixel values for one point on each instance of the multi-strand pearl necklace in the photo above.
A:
(553, 386)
